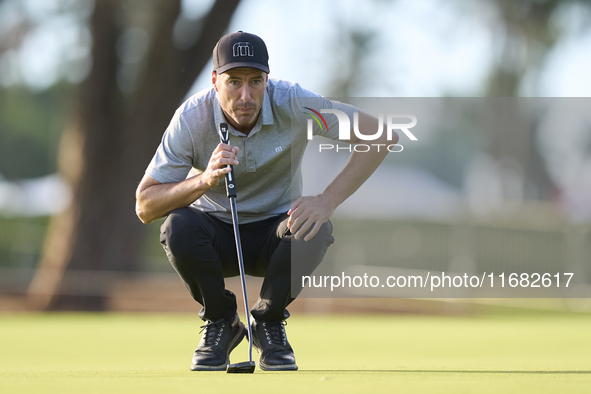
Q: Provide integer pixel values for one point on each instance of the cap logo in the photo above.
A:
(242, 49)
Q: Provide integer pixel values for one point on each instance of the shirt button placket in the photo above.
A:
(250, 161)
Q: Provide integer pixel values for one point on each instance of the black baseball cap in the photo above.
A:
(240, 49)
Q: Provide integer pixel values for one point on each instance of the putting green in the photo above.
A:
(149, 353)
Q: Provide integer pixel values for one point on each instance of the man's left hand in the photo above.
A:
(309, 212)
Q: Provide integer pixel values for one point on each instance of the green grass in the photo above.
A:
(149, 353)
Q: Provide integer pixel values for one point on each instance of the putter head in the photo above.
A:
(244, 367)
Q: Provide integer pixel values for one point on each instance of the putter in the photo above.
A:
(246, 366)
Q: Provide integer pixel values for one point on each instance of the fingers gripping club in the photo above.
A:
(230, 183)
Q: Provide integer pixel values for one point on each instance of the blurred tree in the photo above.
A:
(356, 45)
(29, 144)
(525, 36)
(145, 57)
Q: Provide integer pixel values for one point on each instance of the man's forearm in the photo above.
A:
(360, 165)
(159, 200)
(155, 200)
(308, 213)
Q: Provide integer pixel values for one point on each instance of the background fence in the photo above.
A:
(533, 240)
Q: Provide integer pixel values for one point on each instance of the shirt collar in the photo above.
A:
(267, 110)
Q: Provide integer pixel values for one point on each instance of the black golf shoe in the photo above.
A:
(275, 352)
(218, 340)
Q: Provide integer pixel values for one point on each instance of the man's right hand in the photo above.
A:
(217, 168)
(155, 200)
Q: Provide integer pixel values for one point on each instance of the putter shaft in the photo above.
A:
(246, 367)
(242, 273)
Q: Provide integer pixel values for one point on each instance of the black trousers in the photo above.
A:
(202, 250)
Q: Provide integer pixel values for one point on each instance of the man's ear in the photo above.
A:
(214, 78)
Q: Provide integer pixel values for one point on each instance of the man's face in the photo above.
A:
(241, 92)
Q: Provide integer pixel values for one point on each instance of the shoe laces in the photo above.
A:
(212, 332)
(275, 332)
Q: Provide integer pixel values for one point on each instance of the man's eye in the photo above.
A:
(256, 82)
(233, 82)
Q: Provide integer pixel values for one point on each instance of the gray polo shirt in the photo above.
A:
(269, 175)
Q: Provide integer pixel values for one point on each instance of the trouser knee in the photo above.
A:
(181, 230)
(325, 233)
(307, 255)
(321, 241)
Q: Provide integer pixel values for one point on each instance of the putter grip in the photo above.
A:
(230, 183)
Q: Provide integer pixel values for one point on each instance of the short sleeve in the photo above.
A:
(175, 154)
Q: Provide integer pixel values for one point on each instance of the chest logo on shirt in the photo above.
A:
(278, 149)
